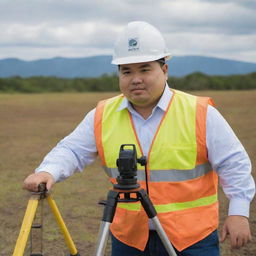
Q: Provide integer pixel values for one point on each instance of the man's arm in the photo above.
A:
(71, 155)
(231, 162)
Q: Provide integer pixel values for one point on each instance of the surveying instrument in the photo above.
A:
(32, 222)
(125, 187)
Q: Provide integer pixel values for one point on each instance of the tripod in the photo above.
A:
(28, 224)
(127, 185)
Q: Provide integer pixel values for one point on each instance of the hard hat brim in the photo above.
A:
(139, 59)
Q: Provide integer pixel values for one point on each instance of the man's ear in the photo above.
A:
(165, 69)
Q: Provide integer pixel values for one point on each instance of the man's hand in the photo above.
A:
(237, 227)
(32, 182)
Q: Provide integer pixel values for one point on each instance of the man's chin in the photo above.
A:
(139, 102)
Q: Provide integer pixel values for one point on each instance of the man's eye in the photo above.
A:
(126, 72)
(145, 70)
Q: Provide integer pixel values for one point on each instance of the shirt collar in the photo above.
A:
(162, 103)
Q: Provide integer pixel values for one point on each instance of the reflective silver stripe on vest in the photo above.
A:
(167, 175)
(113, 173)
(180, 175)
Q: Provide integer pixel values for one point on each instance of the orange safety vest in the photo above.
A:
(182, 184)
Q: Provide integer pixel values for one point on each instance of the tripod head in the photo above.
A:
(127, 167)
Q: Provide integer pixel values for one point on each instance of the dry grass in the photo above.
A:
(32, 124)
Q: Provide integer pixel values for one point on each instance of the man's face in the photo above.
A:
(143, 83)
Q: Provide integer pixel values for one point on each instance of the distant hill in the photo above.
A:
(99, 65)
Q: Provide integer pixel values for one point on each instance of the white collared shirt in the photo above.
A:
(225, 152)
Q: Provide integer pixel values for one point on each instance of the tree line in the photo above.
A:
(108, 83)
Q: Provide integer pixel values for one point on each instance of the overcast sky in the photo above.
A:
(33, 29)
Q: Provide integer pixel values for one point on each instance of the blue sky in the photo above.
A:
(34, 29)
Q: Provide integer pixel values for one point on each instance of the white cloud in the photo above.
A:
(32, 29)
(45, 34)
(198, 16)
(218, 45)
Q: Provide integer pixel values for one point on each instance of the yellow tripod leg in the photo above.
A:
(26, 225)
(62, 226)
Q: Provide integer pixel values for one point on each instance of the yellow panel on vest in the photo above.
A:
(175, 142)
(116, 130)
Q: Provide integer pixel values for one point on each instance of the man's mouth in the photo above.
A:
(137, 89)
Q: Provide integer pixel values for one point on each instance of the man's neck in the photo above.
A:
(144, 111)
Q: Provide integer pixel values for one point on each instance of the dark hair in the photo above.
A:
(161, 61)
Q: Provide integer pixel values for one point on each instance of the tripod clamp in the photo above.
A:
(42, 191)
(113, 199)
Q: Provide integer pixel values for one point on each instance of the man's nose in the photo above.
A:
(136, 79)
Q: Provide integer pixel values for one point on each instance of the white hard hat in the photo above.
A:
(139, 42)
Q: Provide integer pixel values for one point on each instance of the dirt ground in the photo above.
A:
(31, 124)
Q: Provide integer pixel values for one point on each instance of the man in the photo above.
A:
(187, 144)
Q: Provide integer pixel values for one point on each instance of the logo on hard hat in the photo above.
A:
(133, 44)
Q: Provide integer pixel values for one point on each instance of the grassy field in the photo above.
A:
(31, 124)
